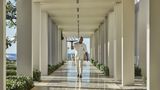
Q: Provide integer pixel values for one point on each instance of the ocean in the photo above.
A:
(11, 56)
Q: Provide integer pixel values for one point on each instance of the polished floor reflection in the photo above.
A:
(65, 78)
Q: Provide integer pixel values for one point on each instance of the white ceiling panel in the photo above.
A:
(90, 13)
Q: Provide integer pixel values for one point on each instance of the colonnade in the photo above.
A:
(112, 44)
(115, 42)
(41, 37)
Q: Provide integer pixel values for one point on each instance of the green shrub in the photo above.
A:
(13, 84)
(106, 70)
(52, 68)
(92, 61)
(95, 63)
(58, 65)
(98, 65)
(11, 73)
(102, 67)
(62, 62)
(19, 83)
(11, 67)
(137, 71)
(36, 75)
(10, 62)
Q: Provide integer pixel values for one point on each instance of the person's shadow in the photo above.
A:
(78, 85)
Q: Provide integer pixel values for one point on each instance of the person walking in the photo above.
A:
(81, 50)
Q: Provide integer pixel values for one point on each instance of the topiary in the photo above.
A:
(137, 71)
(36, 75)
(11, 72)
(106, 70)
(19, 83)
(11, 67)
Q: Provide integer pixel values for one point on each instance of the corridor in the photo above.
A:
(124, 37)
(65, 78)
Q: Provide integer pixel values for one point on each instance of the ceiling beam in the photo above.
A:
(50, 6)
(75, 1)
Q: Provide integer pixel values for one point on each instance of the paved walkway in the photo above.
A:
(65, 78)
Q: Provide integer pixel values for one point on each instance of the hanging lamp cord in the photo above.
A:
(78, 17)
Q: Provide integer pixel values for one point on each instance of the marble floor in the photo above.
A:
(65, 78)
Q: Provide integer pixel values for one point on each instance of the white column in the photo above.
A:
(2, 45)
(59, 46)
(92, 52)
(153, 71)
(24, 37)
(64, 49)
(128, 24)
(111, 43)
(56, 45)
(118, 33)
(36, 28)
(106, 41)
(93, 49)
(99, 46)
(137, 34)
(91, 46)
(142, 30)
(50, 44)
(96, 46)
(114, 43)
(102, 43)
(44, 43)
(53, 43)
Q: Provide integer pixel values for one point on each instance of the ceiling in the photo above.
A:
(71, 15)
